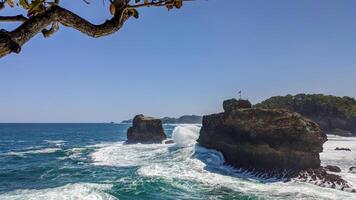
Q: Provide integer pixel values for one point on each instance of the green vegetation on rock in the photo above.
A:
(334, 114)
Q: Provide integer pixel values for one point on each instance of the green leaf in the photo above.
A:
(178, 3)
(112, 9)
(134, 13)
(36, 7)
(24, 4)
(10, 3)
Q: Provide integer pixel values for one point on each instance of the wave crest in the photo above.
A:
(185, 135)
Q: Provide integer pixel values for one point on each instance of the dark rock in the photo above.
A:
(321, 178)
(342, 149)
(335, 115)
(232, 104)
(263, 139)
(352, 169)
(169, 142)
(332, 168)
(145, 130)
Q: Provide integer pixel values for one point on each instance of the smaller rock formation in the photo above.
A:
(145, 130)
(321, 178)
(332, 168)
(342, 149)
(169, 142)
(352, 170)
(232, 104)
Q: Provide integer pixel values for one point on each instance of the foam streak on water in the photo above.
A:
(33, 151)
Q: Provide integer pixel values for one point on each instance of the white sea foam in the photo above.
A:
(185, 135)
(126, 155)
(99, 145)
(33, 151)
(76, 153)
(55, 142)
(80, 191)
(186, 160)
(342, 159)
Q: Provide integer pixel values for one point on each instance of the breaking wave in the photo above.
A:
(187, 161)
(102, 169)
(185, 135)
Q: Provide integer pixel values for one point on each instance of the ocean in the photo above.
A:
(92, 162)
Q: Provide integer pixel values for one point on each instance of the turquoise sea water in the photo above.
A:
(91, 161)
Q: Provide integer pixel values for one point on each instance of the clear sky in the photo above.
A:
(184, 61)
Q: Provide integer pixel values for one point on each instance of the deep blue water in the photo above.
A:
(31, 152)
(91, 161)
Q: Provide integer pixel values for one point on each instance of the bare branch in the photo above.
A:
(17, 18)
(54, 28)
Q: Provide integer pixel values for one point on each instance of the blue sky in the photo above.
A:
(183, 61)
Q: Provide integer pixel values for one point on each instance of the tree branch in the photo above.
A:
(17, 18)
(54, 28)
(55, 15)
(12, 41)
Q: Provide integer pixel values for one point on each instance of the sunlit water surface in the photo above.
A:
(91, 161)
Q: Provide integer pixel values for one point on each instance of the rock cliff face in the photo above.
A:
(335, 115)
(263, 139)
(145, 130)
(233, 104)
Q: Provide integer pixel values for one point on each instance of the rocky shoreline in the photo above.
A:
(269, 143)
(261, 142)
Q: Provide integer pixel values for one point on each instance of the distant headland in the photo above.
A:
(185, 119)
(335, 115)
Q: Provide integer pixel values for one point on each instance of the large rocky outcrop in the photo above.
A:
(264, 139)
(335, 115)
(269, 143)
(145, 130)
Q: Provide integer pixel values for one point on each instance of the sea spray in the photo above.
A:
(185, 135)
